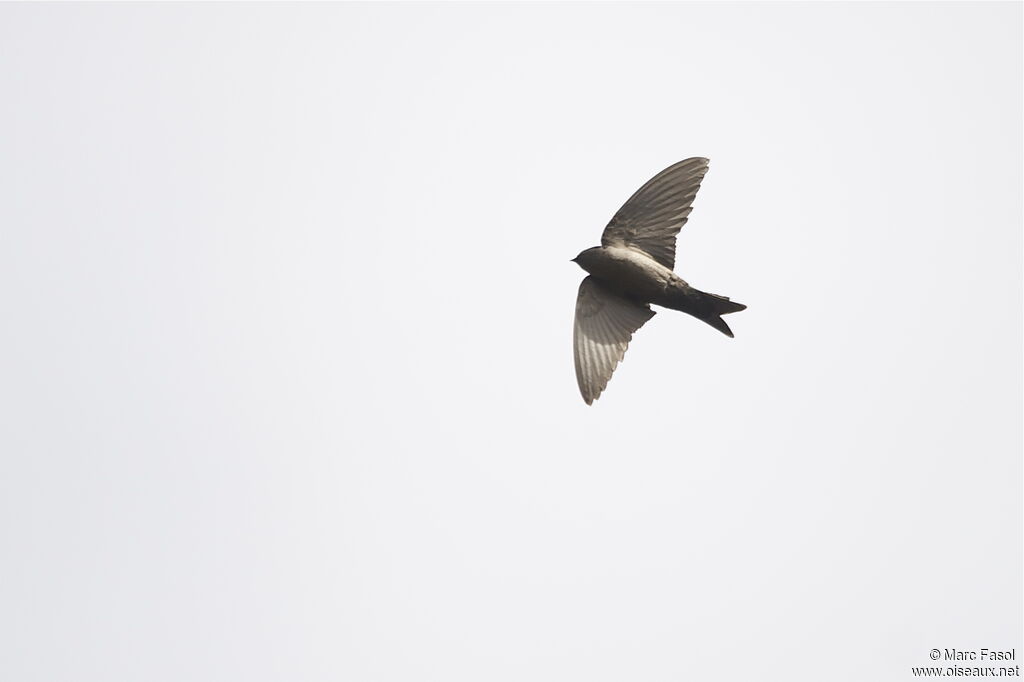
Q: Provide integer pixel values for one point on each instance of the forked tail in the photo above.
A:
(708, 308)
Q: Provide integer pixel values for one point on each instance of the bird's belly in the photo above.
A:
(632, 273)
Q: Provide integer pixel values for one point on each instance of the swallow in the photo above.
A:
(633, 269)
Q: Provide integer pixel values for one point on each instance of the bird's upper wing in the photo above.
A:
(605, 323)
(653, 216)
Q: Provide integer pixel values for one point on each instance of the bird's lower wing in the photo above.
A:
(604, 325)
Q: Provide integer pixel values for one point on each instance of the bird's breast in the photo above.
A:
(632, 272)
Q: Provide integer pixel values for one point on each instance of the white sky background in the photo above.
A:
(286, 377)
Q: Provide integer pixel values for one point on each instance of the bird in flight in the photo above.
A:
(633, 269)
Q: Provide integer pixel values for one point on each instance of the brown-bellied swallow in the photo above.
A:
(633, 269)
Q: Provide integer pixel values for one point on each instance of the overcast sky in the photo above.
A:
(286, 375)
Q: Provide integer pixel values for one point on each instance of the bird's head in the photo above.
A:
(586, 257)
